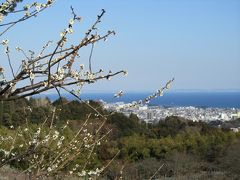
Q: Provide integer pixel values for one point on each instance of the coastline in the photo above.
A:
(203, 99)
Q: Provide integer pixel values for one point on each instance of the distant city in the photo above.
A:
(153, 114)
(196, 106)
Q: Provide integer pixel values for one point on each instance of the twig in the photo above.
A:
(90, 58)
(156, 172)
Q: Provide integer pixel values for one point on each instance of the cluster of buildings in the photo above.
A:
(152, 114)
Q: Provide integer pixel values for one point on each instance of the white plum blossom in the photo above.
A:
(81, 66)
(18, 49)
(62, 34)
(21, 145)
(31, 76)
(125, 73)
(5, 42)
(38, 7)
(49, 169)
(161, 93)
(45, 83)
(69, 30)
(55, 135)
(71, 21)
(27, 13)
(119, 94)
(61, 71)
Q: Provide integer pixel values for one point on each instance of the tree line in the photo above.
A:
(170, 141)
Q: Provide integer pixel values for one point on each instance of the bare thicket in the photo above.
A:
(40, 71)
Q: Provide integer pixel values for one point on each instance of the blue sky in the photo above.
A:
(195, 41)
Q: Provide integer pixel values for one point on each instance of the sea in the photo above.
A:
(170, 99)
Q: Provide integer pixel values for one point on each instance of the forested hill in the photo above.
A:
(185, 147)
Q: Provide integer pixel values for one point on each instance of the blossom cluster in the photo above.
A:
(47, 149)
(9, 6)
(58, 69)
(148, 99)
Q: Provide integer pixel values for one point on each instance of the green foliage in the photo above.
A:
(126, 126)
(39, 114)
(6, 119)
(206, 142)
(15, 142)
(75, 110)
(107, 150)
(12, 112)
(175, 140)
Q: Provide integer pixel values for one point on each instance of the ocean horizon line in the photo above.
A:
(196, 99)
(152, 91)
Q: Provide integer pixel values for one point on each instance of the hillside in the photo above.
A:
(182, 148)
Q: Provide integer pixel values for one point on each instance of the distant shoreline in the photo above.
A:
(171, 99)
